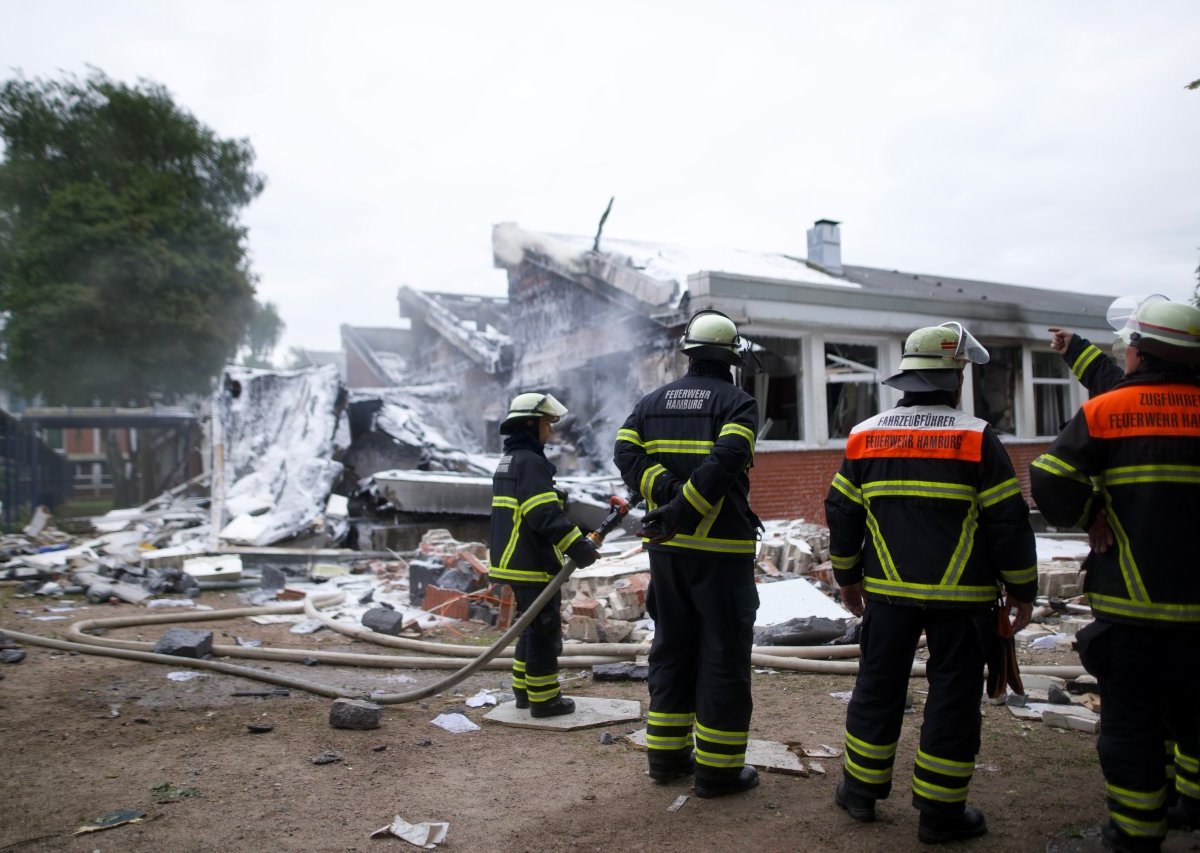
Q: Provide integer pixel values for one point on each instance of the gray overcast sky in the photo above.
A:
(1046, 144)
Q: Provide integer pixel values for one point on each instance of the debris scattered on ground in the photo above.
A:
(185, 643)
(165, 792)
(186, 675)
(678, 803)
(108, 821)
(356, 714)
(259, 728)
(329, 756)
(427, 835)
(483, 697)
(454, 723)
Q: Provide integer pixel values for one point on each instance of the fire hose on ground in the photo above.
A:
(468, 660)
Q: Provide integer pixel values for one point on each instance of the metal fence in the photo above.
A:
(32, 473)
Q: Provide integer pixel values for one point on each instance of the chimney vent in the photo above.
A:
(825, 245)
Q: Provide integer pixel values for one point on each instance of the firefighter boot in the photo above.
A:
(861, 808)
(933, 829)
(522, 698)
(556, 707)
(1113, 838)
(744, 781)
(663, 771)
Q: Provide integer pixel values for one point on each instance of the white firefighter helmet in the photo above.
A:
(532, 404)
(931, 353)
(1155, 325)
(711, 335)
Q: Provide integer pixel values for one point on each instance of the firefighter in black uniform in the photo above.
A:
(530, 535)
(926, 522)
(1134, 452)
(687, 448)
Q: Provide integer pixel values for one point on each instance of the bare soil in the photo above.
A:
(68, 757)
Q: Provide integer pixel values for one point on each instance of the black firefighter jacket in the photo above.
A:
(530, 533)
(926, 511)
(695, 437)
(1094, 370)
(1135, 453)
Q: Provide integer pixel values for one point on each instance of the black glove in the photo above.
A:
(582, 552)
(659, 525)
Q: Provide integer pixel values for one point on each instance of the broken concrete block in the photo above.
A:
(583, 628)
(100, 592)
(12, 656)
(185, 643)
(272, 578)
(1059, 579)
(1058, 695)
(615, 630)
(624, 671)
(354, 714)
(383, 620)
(1041, 682)
(1075, 721)
(1016, 700)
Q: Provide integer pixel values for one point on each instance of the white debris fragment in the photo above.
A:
(483, 697)
(454, 723)
(426, 835)
(1051, 641)
(678, 804)
(844, 695)
(186, 675)
(156, 603)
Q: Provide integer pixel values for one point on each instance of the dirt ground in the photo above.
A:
(82, 736)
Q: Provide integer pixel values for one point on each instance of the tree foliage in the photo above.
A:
(123, 269)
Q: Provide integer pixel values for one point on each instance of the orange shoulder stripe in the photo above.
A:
(1145, 410)
(916, 444)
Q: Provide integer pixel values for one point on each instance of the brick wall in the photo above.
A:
(788, 484)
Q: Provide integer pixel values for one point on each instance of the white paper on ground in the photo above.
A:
(187, 675)
(427, 835)
(454, 723)
(483, 697)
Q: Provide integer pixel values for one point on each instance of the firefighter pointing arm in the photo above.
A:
(1135, 450)
(530, 534)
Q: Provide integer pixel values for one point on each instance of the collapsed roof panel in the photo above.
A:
(277, 428)
(470, 325)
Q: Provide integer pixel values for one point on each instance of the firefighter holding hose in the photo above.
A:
(529, 537)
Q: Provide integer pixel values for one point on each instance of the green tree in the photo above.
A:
(123, 268)
(262, 335)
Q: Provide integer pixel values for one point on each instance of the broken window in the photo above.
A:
(1051, 393)
(995, 388)
(851, 385)
(776, 388)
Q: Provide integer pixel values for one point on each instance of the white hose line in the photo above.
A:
(190, 663)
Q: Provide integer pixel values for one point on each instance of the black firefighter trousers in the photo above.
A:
(957, 642)
(1149, 698)
(535, 659)
(703, 606)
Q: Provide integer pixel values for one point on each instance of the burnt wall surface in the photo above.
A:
(788, 484)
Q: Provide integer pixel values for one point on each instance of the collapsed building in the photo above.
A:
(596, 320)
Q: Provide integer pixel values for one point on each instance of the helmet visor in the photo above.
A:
(966, 348)
(1122, 314)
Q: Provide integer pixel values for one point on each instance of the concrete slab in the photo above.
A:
(426, 491)
(767, 755)
(590, 711)
(784, 600)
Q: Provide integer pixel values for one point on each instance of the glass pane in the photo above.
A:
(851, 385)
(1049, 365)
(777, 388)
(1050, 408)
(995, 384)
